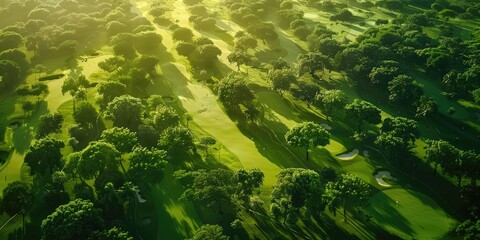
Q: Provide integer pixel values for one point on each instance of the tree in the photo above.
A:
(86, 114)
(209, 232)
(363, 112)
(401, 127)
(331, 99)
(312, 62)
(239, 57)
(471, 162)
(382, 75)
(440, 153)
(263, 30)
(205, 55)
(232, 91)
(207, 142)
(113, 233)
(426, 108)
(305, 91)
(213, 188)
(247, 183)
(27, 106)
(165, 117)
(349, 190)
(125, 111)
(185, 48)
(307, 135)
(402, 89)
(109, 199)
(110, 90)
(96, 158)
(282, 79)
(75, 84)
(182, 34)
(17, 198)
(9, 74)
(146, 166)
(38, 89)
(245, 42)
(176, 140)
(470, 229)
(123, 139)
(147, 63)
(294, 190)
(49, 123)
(44, 155)
(82, 219)
(392, 146)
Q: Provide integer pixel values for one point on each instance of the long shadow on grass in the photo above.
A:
(382, 208)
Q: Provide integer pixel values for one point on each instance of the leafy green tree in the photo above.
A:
(75, 84)
(245, 42)
(113, 233)
(147, 41)
(10, 40)
(213, 188)
(205, 55)
(470, 229)
(296, 189)
(121, 138)
(9, 74)
(305, 91)
(402, 89)
(307, 135)
(476, 95)
(147, 63)
(363, 112)
(112, 64)
(331, 99)
(109, 199)
(206, 142)
(125, 111)
(146, 166)
(265, 31)
(312, 62)
(86, 114)
(82, 218)
(182, 34)
(210, 232)
(165, 117)
(239, 57)
(17, 198)
(38, 89)
(176, 140)
(440, 153)
(247, 183)
(349, 190)
(49, 123)
(401, 127)
(44, 155)
(232, 91)
(471, 162)
(27, 106)
(96, 158)
(383, 75)
(185, 48)
(426, 108)
(282, 79)
(110, 90)
(392, 146)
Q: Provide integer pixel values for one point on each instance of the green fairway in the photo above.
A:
(417, 216)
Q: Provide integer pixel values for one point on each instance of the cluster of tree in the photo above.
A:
(201, 18)
(14, 65)
(300, 193)
(249, 14)
(201, 52)
(242, 44)
(220, 188)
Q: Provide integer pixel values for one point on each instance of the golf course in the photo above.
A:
(224, 119)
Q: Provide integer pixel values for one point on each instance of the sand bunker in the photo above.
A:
(379, 177)
(348, 156)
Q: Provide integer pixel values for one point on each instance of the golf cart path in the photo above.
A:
(199, 101)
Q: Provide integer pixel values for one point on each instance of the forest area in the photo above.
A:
(239, 119)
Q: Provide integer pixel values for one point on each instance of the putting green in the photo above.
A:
(416, 216)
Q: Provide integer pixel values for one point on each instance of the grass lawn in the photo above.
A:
(417, 216)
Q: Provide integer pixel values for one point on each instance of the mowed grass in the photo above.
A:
(416, 216)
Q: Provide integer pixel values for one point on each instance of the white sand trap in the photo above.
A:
(326, 126)
(379, 177)
(348, 156)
